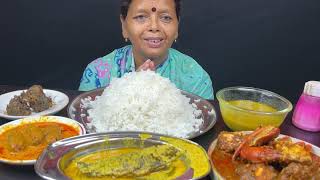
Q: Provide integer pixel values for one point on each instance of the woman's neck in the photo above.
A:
(139, 59)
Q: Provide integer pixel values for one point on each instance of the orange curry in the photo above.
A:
(262, 154)
(224, 164)
(26, 142)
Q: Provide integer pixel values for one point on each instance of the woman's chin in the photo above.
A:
(156, 57)
(156, 53)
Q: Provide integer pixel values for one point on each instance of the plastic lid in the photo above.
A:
(312, 88)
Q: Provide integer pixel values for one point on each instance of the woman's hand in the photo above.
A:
(147, 65)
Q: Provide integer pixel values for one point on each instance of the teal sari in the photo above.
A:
(181, 69)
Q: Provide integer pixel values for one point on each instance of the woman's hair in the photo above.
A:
(126, 3)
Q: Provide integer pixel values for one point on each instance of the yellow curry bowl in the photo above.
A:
(123, 156)
(246, 108)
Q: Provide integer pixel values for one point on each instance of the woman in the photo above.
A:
(151, 26)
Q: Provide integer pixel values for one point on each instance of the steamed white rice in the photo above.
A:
(144, 101)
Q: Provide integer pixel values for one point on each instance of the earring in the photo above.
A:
(175, 40)
(126, 39)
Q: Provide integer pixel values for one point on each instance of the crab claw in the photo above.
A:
(258, 137)
(260, 154)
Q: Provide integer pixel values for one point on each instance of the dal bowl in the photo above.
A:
(123, 154)
(246, 108)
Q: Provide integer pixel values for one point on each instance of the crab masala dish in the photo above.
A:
(263, 155)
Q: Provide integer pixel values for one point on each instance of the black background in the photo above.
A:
(269, 44)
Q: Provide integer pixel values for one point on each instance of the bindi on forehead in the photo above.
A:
(154, 9)
(154, 3)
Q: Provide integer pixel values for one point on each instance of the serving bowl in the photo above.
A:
(77, 111)
(215, 173)
(54, 161)
(246, 108)
(37, 119)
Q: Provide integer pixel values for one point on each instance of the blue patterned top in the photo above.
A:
(181, 69)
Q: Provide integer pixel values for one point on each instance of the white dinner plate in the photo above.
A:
(59, 99)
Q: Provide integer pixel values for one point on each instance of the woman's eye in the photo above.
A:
(166, 18)
(140, 17)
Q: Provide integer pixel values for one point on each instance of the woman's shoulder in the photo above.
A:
(192, 77)
(175, 54)
(109, 58)
(185, 62)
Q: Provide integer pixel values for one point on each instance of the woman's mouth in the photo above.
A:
(154, 42)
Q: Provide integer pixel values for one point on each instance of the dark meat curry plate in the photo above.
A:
(59, 101)
(255, 164)
(123, 155)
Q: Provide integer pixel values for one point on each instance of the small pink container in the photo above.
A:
(306, 115)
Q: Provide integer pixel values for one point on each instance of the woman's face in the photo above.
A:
(151, 26)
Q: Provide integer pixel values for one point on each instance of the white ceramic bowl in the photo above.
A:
(79, 127)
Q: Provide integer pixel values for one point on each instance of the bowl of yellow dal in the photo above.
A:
(246, 108)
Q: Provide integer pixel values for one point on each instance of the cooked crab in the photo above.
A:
(254, 148)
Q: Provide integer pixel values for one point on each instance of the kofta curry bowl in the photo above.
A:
(23, 140)
(123, 155)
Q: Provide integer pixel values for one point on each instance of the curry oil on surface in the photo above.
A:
(27, 141)
(177, 167)
(188, 155)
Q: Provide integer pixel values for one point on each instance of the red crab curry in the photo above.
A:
(261, 155)
(27, 141)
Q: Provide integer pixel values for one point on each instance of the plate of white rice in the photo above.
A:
(146, 102)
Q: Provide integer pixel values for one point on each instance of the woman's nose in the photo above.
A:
(154, 24)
